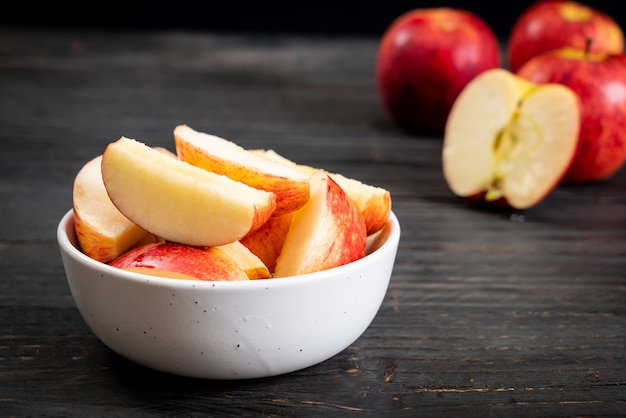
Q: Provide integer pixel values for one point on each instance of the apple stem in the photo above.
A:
(588, 47)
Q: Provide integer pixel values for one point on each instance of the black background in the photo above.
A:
(323, 17)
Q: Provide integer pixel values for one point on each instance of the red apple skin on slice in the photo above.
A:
(267, 241)
(179, 261)
(222, 156)
(329, 231)
(103, 232)
(178, 201)
(373, 202)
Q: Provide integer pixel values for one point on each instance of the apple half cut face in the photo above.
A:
(510, 140)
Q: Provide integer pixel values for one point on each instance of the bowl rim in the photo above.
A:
(390, 234)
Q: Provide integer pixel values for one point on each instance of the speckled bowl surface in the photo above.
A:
(229, 330)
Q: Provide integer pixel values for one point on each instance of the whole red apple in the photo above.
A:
(548, 25)
(599, 80)
(425, 58)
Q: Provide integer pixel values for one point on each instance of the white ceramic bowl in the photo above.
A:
(229, 330)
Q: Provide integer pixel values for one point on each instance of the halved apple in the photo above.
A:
(508, 140)
(373, 202)
(222, 156)
(103, 232)
(180, 261)
(178, 201)
(327, 232)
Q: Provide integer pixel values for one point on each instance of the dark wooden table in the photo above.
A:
(488, 313)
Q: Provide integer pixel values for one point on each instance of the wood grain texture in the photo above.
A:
(487, 314)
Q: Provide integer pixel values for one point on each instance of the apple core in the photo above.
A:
(520, 136)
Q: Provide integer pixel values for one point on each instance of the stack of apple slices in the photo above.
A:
(373, 202)
(216, 211)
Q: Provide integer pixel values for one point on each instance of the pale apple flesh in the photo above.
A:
(222, 156)
(178, 201)
(179, 261)
(254, 266)
(329, 231)
(373, 202)
(103, 232)
(507, 138)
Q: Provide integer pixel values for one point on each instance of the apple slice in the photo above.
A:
(251, 264)
(103, 232)
(180, 261)
(267, 241)
(508, 140)
(373, 202)
(222, 156)
(178, 201)
(327, 232)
